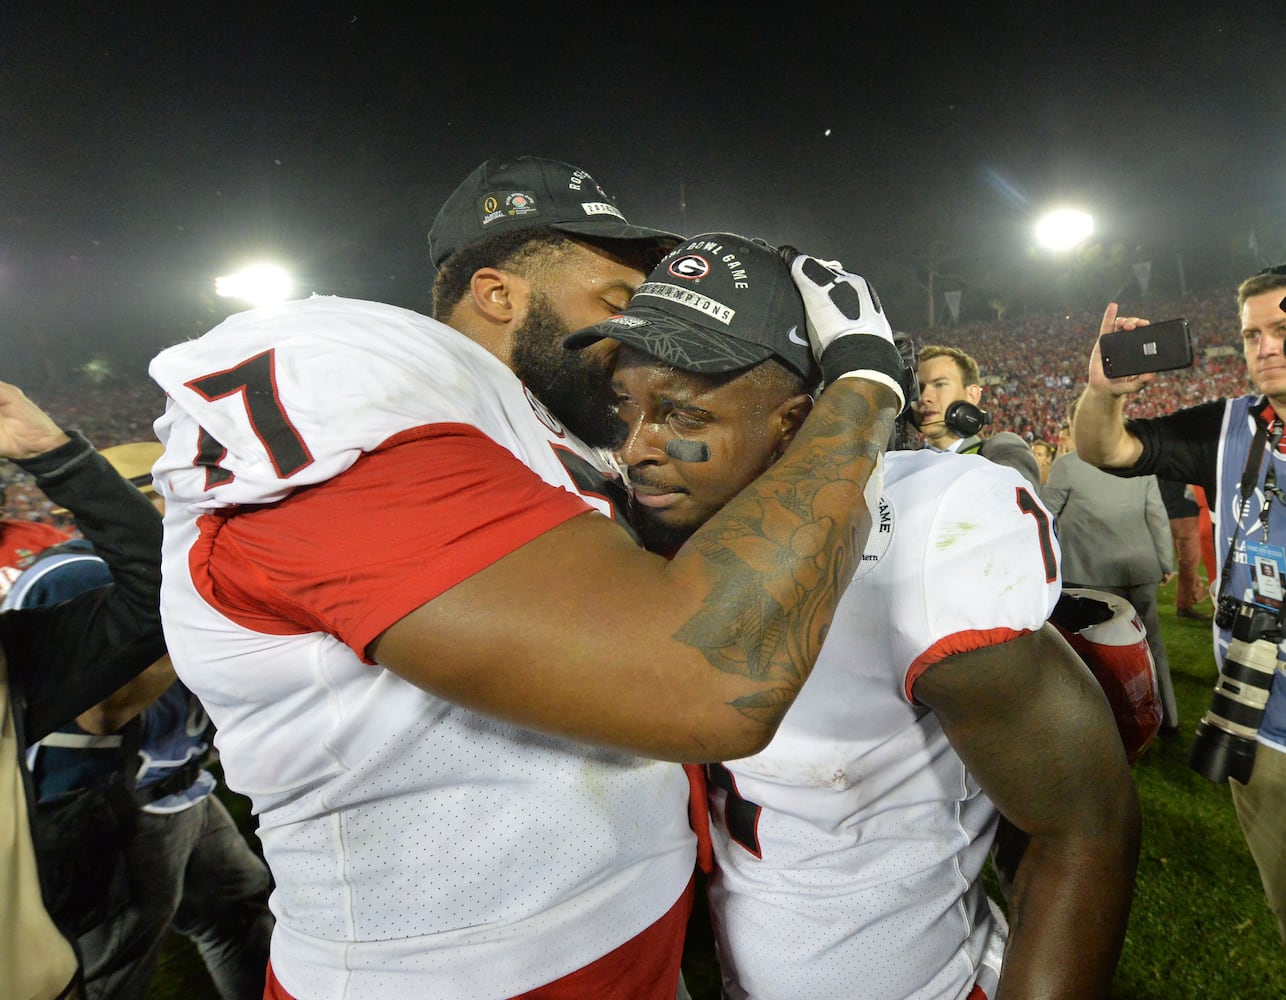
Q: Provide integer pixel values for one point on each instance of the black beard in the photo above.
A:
(575, 387)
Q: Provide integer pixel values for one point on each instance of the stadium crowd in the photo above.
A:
(108, 414)
(1033, 364)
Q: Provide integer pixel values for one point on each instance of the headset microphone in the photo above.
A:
(965, 419)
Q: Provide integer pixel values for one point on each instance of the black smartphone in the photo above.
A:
(1157, 347)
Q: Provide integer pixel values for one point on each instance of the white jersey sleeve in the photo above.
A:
(293, 394)
(987, 566)
(849, 850)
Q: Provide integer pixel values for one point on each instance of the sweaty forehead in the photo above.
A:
(608, 263)
(637, 371)
(635, 365)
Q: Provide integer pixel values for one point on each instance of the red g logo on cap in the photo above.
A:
(690, 266)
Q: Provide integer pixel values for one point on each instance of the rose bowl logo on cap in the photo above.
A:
(520, 203)
(691, 266)
(515, 204)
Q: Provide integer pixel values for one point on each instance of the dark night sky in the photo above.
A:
(144, 151)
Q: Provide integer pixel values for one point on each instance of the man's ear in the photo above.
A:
(500, 296)
(973, 393)
(788, 418)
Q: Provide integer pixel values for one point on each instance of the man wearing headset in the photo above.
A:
(949, 417)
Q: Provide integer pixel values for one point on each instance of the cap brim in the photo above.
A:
(614, 229)
(674, 342)
(600, 229)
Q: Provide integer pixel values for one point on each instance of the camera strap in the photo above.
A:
(1264, 434)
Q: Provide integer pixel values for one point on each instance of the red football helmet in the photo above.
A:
(1106, 632)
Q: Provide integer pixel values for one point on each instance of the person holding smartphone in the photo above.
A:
(1233, 449)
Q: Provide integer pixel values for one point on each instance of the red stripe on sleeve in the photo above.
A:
(357, 553)
(958, 642)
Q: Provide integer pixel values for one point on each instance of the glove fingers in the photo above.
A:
(820, 280)
(847, 299)
(816, 272)
(847, 327)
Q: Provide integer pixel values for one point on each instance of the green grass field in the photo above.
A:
(1199, 927)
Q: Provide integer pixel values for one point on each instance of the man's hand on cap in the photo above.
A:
(850, 336)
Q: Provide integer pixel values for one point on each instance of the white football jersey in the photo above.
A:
(849, 850)
(419, 849)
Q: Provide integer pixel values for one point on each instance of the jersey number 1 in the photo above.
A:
(1028, 505)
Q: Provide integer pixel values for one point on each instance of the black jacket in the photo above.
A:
(64, 659)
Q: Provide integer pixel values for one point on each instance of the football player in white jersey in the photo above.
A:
(849, 850)
(389, 580)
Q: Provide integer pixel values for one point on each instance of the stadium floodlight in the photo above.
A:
(256, 284)
(1063, 229)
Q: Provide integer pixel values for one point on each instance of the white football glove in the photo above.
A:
(849, 334)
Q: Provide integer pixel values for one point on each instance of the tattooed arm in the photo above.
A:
(582, 634)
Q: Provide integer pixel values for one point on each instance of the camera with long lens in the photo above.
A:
(1225, 741)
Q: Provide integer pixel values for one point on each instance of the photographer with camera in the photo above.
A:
(1233, 449)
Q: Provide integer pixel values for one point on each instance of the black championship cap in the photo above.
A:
(718, 302)
(526, 192)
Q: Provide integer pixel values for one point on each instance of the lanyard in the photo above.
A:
(1271, 490)
(1272, 436)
